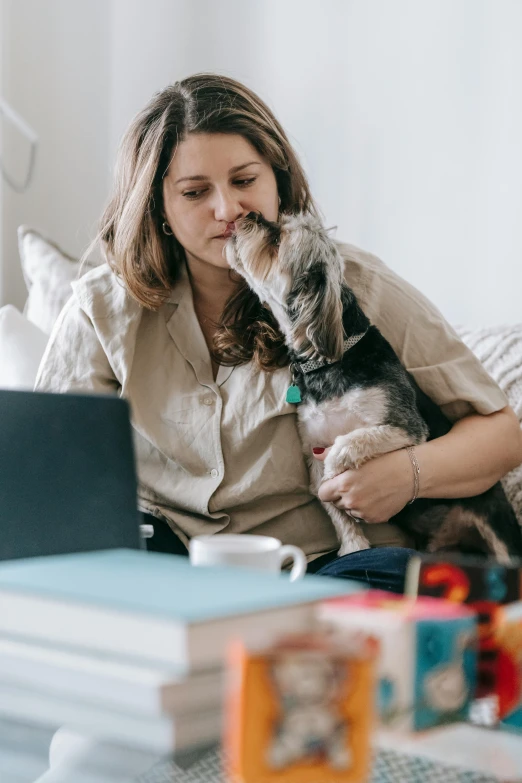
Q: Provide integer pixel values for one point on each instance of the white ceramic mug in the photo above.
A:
(261, 552)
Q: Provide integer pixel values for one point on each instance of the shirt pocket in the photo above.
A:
(276, 388)
(254, 401)
(188, 432)
(189, 408)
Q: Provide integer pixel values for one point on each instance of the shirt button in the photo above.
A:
(214, 473)
(208, 401)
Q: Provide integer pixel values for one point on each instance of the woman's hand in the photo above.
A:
(376, 491)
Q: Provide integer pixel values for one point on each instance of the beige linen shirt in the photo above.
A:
(225, 456)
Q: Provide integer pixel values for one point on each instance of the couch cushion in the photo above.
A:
(499, 348)
(48, 273)
(22, 345)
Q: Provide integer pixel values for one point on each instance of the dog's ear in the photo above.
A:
(316, 313)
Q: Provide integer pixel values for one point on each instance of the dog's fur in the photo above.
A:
(362, 401)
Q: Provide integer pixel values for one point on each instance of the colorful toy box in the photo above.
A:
(484, 586)
(508, 636)
(427, 660)
(301, 712)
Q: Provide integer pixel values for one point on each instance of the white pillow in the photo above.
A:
(48, 273)
(499, 348)
(22, 345)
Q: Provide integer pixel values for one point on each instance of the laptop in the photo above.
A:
(67, 474)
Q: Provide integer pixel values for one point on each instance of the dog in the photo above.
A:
(354, 392)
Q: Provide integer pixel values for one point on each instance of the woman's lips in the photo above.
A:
(231, 227)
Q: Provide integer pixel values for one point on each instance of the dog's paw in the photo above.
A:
(345, 549)
(339, 458)
(348, 452)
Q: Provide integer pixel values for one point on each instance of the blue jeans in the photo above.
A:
(383, 568)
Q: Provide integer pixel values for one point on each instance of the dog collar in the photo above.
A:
(316, 364)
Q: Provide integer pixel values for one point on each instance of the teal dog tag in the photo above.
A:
(293, 394)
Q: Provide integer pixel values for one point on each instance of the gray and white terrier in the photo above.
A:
(355, 395)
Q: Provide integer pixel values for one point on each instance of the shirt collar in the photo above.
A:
(181, 287)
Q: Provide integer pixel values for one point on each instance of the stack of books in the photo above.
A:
(130, 646)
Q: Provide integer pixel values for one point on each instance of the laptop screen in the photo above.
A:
(67, 474)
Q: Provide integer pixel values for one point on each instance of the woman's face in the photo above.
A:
(212, 181)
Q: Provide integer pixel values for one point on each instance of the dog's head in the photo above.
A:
(295, 268)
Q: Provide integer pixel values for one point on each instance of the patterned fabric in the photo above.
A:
(391, 767)
(207, 769)
(499, 348)
(388, 767)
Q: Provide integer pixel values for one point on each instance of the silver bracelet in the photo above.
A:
(416, 473)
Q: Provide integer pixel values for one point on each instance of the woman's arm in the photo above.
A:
(473, 456)
(485, 441)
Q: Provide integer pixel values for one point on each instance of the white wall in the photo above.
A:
(158, 42)
(56, 74)
(406, 114)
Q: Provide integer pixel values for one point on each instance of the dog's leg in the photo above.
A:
(497, 547)
(450, 531)
(348, 530)
(453, 529)
(347, 527)
(353, 450)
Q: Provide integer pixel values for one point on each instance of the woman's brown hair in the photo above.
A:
(134, 244)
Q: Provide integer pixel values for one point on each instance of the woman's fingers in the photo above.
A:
(335, 489)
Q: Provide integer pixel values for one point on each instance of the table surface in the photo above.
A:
(388, 767)
(439, 756)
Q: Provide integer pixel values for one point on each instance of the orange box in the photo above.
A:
(301, 712)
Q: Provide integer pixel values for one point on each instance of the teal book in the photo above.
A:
(155, 607)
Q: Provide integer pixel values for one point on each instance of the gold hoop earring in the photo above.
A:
(166, 229)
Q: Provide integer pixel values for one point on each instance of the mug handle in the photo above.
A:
(299, 558)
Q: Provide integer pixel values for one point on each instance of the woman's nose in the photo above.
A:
(227, 207)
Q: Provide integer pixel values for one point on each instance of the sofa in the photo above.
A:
(48, 272)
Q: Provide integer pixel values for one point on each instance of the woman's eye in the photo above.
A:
(192, 194)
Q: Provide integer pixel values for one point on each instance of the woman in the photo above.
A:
(167, 325)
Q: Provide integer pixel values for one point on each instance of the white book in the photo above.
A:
(108, 682)
(154, 606)
(160, 735)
